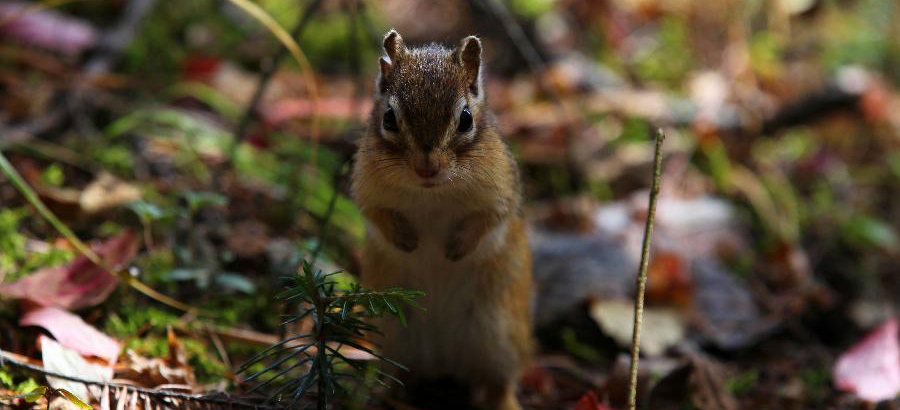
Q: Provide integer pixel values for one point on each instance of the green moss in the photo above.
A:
(129, 320)
(15, 259)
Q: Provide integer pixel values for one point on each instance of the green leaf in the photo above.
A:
(146, 211)
(27, 385)
(53, 175)
(34, 395)
(207, 95)
(233, 281)
(867, 231)
(6, 379)
(201, 199)
(74, 400)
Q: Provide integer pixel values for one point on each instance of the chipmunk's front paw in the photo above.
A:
(405, 237)
(407, 243)
(456, 249)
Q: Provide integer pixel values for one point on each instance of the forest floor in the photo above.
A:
(774, 276)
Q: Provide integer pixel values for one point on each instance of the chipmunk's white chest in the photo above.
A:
(453, 290)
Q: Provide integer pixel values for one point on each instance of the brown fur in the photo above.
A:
(461, 241)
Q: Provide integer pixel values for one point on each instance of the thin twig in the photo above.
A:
(7, 360)
(530, 53)
(265, 77)
(515, 32)
(642, 273)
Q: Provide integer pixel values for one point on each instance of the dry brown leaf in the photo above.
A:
(107, 192)
(661, 329)
(59, 359)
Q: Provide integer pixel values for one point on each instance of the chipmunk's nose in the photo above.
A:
(427, 171)
(427, 164)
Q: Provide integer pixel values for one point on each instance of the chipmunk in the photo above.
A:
(440, 191)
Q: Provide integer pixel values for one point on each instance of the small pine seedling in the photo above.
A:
(302, 362)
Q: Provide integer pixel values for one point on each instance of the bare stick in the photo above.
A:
(530, 53)
(642, 272)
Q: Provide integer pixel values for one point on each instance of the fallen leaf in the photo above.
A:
(537, 379)
(73, 333)
(152, 372)
(74, 400)
(79, 284)
(47, 29)
(589, 401)
(289, 109)
(871, 368)
(661, 328)
(725, 311)
(669, 280)
(59, 359)
(698, 384)
(107, 192)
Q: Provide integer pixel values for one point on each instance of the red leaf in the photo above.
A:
(871, 368)
(589, 401)
(73, 333)
(79, 284)
(200, 67)
(279, 112)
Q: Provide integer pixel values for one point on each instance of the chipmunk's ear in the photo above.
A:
(385, 74)
(395, 50)
(469, 53)
(393, 45)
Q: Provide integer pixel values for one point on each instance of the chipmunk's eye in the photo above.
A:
(389, 121)
(465, 120)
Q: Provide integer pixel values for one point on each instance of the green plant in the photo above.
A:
(15, 261)
(304, 361)
(33, 395)
(743, 383)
